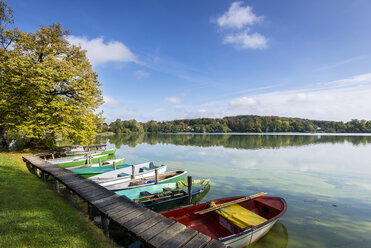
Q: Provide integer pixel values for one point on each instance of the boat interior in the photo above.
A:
(216, 226)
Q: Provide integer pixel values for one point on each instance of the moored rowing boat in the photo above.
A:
(160, 197)
(76, 161)
(128, 183)
(237, 225)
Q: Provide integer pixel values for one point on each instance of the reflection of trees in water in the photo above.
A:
(230, 141)
(277, 237)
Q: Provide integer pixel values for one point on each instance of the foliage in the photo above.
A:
(6, 14)
(243, 124)
(232, 141)
(33, 215)
(48, 86)
(131, 126)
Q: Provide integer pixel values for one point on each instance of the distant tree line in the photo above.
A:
(242, 123)
(231, 141)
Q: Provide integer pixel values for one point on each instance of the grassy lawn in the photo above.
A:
(33, 215)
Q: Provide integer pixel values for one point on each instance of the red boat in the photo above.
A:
(237, 225)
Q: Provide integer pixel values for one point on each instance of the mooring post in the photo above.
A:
(44, 176)
(114, 165)
(57, 186)
(104, 224)
(90, 211)
(132, 171)
(156, 174)
(100, 162)
(53, 155)
(189, 189)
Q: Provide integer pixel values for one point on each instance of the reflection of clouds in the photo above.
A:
(363, 185)
(313, 179)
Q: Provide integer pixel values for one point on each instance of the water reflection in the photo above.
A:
(277, 237)
(231, 141)
(325, 180)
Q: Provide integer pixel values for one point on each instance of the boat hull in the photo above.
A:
(97, 153)
(81, 161)
(225, 230)
(248, 238)
(94, 171)
(126, 184)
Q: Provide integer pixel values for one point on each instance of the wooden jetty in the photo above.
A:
(151, 228)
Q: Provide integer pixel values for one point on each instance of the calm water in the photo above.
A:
(324, 179)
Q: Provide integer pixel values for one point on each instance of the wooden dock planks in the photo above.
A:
(150, 227)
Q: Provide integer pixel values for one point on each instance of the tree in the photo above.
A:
(6, 14)
(48, 86)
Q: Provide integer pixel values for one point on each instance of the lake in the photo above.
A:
(325, 179)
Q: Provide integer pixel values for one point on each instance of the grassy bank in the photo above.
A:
(33, 215)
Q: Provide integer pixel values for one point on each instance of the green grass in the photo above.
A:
(33, 215)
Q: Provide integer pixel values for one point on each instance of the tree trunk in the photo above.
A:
(4, 137)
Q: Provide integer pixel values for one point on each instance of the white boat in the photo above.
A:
(128, 183)
(125, 174)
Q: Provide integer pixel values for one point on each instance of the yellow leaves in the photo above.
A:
(49, 85)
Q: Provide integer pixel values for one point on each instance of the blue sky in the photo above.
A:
(166, 60)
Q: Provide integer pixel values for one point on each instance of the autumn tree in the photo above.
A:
(6, 14)
(48, 87)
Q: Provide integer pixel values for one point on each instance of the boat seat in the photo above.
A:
(144, 193)
(122, 175)
(240, 216)
(144, 169)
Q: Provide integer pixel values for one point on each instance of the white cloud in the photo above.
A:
(345, 100)
(238, 17)
(173, 99)
(356, 80)
(241, 18)
(244, 40)
(100, 52)
(242, 102)
(111, 102)
(141, 74)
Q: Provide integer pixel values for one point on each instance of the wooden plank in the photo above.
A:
(102, 201)
(115, 208)
(181, 238)
(124, 211)
(200, 240)
(91, 196)
(168, 233)
(140, 219)
(133, 215)
(147, 224)
(154, 230)
(215, 244)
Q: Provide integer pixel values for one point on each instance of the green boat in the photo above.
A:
(73, 161)
(168, 177)
(161, 197)
(93, 170)
(94, 153)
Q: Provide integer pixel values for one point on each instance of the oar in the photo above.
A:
(226, 204)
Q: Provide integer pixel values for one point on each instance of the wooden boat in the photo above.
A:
(76, 161)
(128, 183)
(160, 197)
(237, 225)
(118, 161)
(90, 170)
(125, 174)
(94, 153)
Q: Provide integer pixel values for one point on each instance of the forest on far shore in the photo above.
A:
(242, 123)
